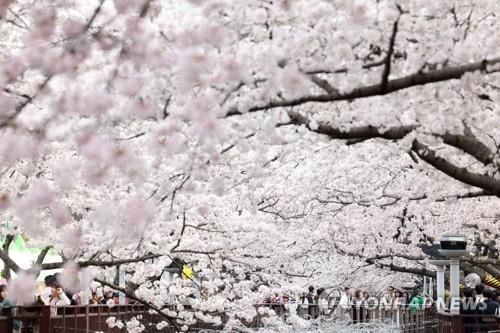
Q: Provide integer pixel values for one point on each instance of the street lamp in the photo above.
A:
(440, 261)
(454, 246)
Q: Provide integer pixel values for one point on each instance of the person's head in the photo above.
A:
(55, 290)
(357, 293)
(390, 289)
(487, 293)
(397, 293)
(50, 280)
(479, 289)
(311, 289)
(3, 292)
(365, 294)
(494, 295)
(346, 290)
(468, 292)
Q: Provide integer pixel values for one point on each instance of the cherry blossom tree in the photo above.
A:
(270, 144)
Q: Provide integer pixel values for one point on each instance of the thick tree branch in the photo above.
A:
(359, 132)
(471, 145)
(5, 249)
(42, 255)
(8, 262)
(485, 182)
(405, 82)
(105, 263)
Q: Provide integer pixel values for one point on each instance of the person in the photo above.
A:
(494, 295)
(5, 302)
(405, 300)
(108, 297)
(357, 315)
(345, 300)
(50, 281)
(71, 296)
(304, 305)
(322, 301)
(387, 302)
(99, 297)
(490, 307)
(312, 306)
(479, 292)
(397, 305)
(58, 298)
(366, 306)
(116, 298)
(417, 303)
(468, 307)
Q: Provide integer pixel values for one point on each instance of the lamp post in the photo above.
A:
(440, 270)
(454, 247)
(440, 262)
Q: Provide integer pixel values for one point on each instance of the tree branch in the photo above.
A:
(471, 145)
(5, 249)
(8, 262)
(360, 132)
(387, 64)
(413, 80)
(98, 263)
(485, 182)
(42, 255)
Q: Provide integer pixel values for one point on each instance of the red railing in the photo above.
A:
(77, 319)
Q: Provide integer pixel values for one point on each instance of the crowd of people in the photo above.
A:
(53, 294)
(479, 301)
(359, 305)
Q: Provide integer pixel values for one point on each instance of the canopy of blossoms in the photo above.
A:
(269, 144)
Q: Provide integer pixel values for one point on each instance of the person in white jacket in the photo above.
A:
(57, 298)
(345, 301)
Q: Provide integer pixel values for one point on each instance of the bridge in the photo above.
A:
(93, 319)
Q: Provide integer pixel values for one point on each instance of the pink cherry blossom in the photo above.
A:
(22, 289)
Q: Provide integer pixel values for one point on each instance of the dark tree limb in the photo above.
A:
(5, 249)
(359, 132)
(471, 145)
(8, 262)
(465, 176)
(323, 84)
(42, 255)
(413, 80)
(104, 263)
(387, 64)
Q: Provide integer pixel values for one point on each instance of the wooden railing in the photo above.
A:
(77, 319)
(93, 319)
